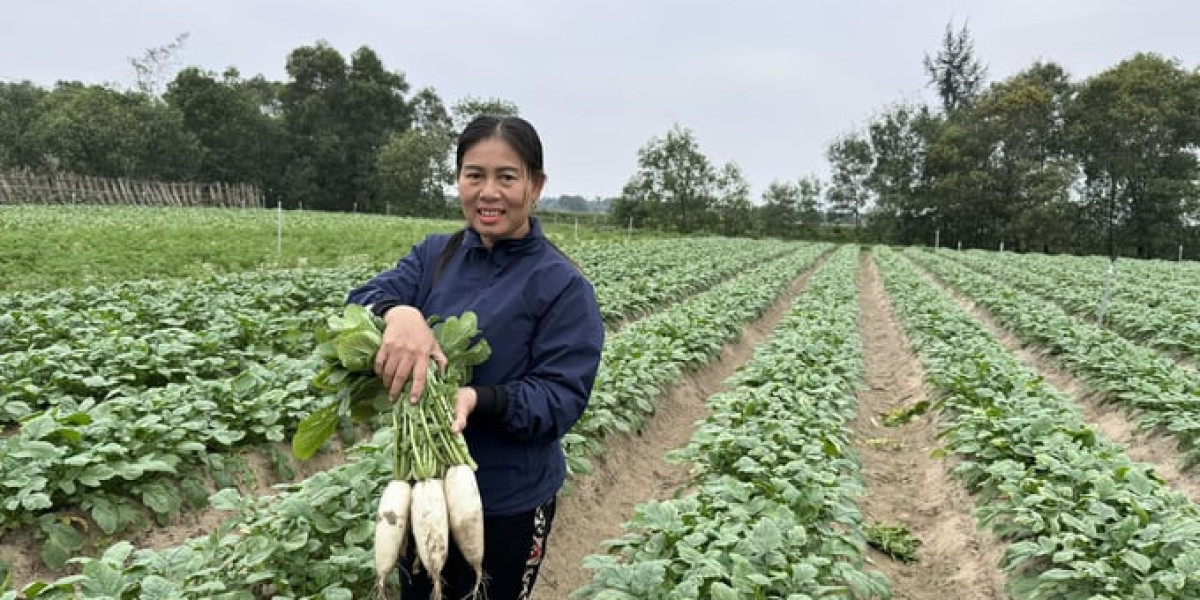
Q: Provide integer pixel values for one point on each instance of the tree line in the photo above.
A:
(1037, 161)
(339, 134)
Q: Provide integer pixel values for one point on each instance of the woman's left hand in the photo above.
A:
(464, 403)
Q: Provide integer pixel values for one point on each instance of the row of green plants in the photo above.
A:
(114, 459)
(137, 307)
(144, 455)
(1147, 310)
(655, 350)
(313, 540)
(1082, 521)
(33, 320)
(118, 340)
(1164, 395)
(111, 458)
(51, 247)
(1171, 275)
(651, 280)
(771, 509)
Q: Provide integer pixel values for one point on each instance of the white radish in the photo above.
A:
(465, 510)
(391, 529)
(430, 527)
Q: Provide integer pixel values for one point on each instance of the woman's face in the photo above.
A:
(496, 191)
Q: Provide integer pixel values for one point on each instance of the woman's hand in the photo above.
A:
(464, 403)
(404, 353)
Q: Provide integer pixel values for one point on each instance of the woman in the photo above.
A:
(538, 313)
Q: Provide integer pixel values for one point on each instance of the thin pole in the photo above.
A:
(279, 227)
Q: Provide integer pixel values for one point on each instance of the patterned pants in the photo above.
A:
(513, 549)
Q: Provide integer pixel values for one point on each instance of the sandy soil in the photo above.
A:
(905, 485)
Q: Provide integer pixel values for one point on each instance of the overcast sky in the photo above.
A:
(764, 84)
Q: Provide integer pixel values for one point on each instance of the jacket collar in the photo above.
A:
(508, 247)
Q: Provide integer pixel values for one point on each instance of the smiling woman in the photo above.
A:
(538, 313)
(496, 186)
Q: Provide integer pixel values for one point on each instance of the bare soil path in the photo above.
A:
(905, 485)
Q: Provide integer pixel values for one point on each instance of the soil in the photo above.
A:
(905, 485)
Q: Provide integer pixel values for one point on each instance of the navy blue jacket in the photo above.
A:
(539, 314)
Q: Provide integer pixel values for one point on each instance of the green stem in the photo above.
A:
(396, 441)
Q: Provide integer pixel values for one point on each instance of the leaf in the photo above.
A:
(160, 498)
(35, 450)
(336, 593)
(62, 541)
(157, 588)
(1137, 560)
(720, 591)
(106, 515)
(314, 431)
(356, 350)
(118, 553)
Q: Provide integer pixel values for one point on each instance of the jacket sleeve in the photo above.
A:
(565, 355)
(395, 286)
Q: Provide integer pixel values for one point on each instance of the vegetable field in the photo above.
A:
(771, 420)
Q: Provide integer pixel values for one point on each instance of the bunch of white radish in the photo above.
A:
(433, 496)
(433, 489)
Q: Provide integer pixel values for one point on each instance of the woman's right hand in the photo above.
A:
(404, 353)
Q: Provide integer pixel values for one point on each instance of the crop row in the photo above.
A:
(1163, 319)
(1161, 392)
(775, 476)
(1081, 519)
(113, 457)
(313, 540)
(123, 347)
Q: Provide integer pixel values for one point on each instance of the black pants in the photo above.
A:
(513, 548)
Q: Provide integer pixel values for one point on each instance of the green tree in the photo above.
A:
(779, 214)
(899, 140)
(1135, 128)
(240, 142)
(415, 167)
(1030, 174)
(733, 210)
(20, 106)
(672, 187)
(572, 203)
(467, 109)
(413, 172)
(317, 174)
(955, 72)
(94, 130)
(809, 211)
(850, 162)
(374, 109)
(337, 116)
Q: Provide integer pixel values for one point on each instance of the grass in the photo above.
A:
(46, 247)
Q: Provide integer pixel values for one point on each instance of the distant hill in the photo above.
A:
(569, 203)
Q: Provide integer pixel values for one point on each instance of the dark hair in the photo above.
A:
(517, 132)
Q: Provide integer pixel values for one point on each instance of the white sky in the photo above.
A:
(764, 84)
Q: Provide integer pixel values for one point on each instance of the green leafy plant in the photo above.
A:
(347, 347)
(894, 540)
